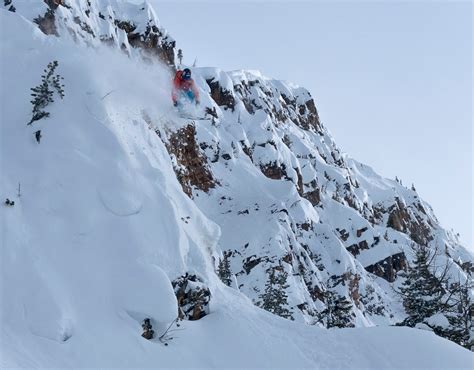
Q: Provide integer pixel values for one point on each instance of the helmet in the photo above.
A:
(186, 75)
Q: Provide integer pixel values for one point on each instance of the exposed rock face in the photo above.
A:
(148, 332)
(309, 116)
(47, 23)
(273, 171)
(152, 41)
(403, 219)
(280, 106)
(250, 262)
(313, 196)
(193, 297)
(190, 165)
(353, 283)
(355, 249)
(389, 267)
(222, 97)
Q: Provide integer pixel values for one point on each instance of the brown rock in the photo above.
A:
(355, 249)
(274, 171)
(354, 288)
(389, 267)
(148, 334)
(360, 231)
(409, 223)
(193, 169)
(222, 97)
(47, 23)
(313, 196)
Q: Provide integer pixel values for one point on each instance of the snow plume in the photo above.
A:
(122, 196)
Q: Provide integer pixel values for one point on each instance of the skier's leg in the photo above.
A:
(190, 95)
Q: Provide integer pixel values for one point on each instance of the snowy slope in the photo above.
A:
(103, 225)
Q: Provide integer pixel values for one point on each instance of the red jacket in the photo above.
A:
(183, 85)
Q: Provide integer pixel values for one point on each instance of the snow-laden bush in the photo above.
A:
(43, 93)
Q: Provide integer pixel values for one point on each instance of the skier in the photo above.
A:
(184, 89)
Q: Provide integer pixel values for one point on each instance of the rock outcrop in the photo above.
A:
(193, 297)
(190, 165)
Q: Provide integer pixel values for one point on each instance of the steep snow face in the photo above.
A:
(100, 224)
(121, 196)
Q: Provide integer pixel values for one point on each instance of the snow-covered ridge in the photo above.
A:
(133, 28)
(105, 222)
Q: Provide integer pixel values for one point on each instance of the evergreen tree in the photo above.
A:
(223, 270)
(274, 299)
(338, 312)
(43, 93)
(421, 291)
(426, 294)
(460, 307)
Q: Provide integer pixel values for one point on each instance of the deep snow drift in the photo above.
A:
(102, 226)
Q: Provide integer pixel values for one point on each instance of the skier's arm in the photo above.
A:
(174, 95)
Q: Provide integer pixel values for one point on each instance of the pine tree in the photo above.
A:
(338, 312)
(426, 292)
(224, 271)
(460, 313)
(274, 299)
(43, 93)
(421, 291)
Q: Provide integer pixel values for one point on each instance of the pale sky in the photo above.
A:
(392, 80)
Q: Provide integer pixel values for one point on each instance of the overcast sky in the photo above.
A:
(392, 80)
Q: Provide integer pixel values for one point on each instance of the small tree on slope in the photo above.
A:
(338, 312)
(223, 270)
(459, 312)
(421, 291)
(43, 93)
(274, 299)
(426, 294)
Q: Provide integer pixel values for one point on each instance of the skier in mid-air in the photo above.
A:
(184, 89)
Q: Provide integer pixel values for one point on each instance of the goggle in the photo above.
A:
(186, 76)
